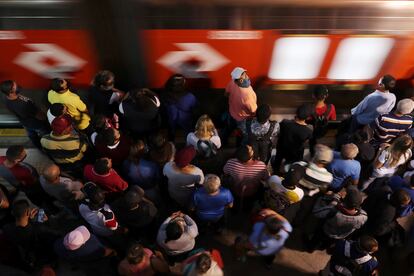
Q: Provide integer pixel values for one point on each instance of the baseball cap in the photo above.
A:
(184, 156)
(76, 238)
(61, 123)
(237, 72)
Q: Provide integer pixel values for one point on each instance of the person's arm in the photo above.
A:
(230, 199)
(215, 139)
(165, 223)
(355, 174)
(120, 184)
(250, 103)
(360, 107)
(379, 163)
(192, 228)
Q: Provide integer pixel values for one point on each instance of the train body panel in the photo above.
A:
(34, 56)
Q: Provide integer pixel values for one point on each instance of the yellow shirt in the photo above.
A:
(76, 108)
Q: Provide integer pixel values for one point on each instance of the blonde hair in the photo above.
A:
(204, 127)
(212, 183)
(398, 148)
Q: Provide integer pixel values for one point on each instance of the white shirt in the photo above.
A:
(95, 220)
(50, 116)
(192, 140)
(386, 169)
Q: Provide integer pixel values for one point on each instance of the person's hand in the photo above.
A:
(267, 212)
(33, 213)
(45, 218)
(342, 193)
(177, 214)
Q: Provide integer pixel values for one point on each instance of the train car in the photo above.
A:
(286, 46)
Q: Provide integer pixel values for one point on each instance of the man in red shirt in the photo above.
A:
(102, 174)
(14, 170)
(20, 175)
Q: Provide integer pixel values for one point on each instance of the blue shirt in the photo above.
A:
(397, 182)
(145, 174)
(266, 244)
(342, 169)
(373, 105)
(180, 112)
(211, 207)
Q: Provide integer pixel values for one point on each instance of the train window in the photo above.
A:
(360, 58)
(297, 58)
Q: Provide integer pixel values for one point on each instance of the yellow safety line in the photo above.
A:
(12, 132)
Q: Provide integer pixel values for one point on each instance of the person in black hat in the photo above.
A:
(134, 211)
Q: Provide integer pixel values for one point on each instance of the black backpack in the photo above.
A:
(320, 122)
(262, 144)
(209, 149)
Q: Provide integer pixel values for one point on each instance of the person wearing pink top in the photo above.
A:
(242, 98)
(242, 102)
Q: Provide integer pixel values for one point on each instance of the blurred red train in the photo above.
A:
(288, 46)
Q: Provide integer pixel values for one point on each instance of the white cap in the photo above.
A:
(75, 239)
(237, 72)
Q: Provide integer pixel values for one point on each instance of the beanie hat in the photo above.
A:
(405, 106)
(76, 238)
(184, 156)
(349, 151)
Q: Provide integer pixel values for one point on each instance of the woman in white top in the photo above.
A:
(182, 176)
(390, 158)
(204, 131)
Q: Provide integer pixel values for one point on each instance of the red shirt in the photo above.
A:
(110, 182)
(320, 111)
(23, 172)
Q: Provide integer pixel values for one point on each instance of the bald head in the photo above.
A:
(51, 173)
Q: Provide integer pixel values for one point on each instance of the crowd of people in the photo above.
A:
(124, 196)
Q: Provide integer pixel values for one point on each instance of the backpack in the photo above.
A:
(275, 201)
(261, 143)
(320, 122)
(206, 149)
(349, 266)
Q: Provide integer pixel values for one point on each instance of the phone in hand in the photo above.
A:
(41, 216)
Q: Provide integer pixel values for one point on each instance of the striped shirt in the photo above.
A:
(315, 178)
(64, 149)
(246, 177)
(389, 126)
